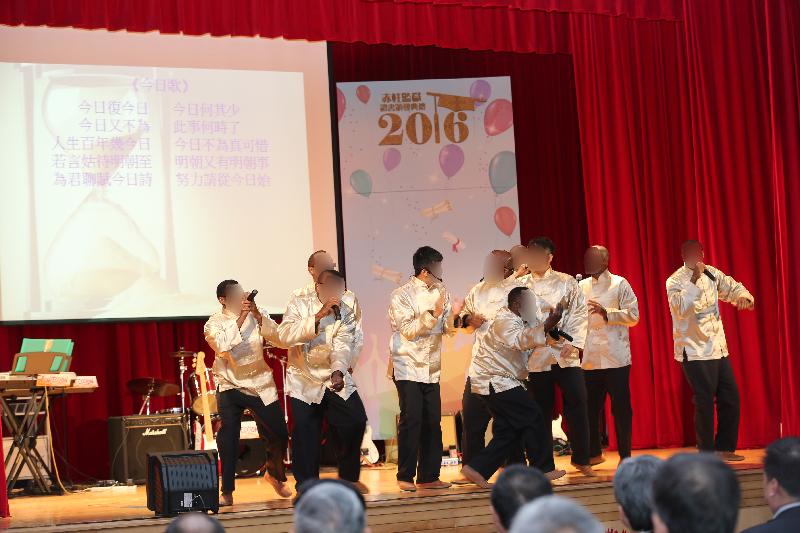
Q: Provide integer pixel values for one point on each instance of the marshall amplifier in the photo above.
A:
(131, 438)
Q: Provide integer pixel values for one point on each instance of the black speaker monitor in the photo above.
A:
(179, 482)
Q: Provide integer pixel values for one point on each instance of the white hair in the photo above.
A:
(329, 508)
(554, 514)
(633, 489)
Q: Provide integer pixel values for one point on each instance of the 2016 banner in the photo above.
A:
(423, 162)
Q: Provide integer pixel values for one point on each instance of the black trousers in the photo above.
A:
(475, 418)
(573, 387)
(714, 380)
(346, 420)
(516, 417)
(419, 431)
(271, 428)
(616, 383)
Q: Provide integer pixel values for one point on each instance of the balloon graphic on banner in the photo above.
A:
(498, 117)
(451, 159)
(503, 172)
(361, 182)
(363, 93)
(480, 90)
(341, 103)
(505, 219)
(391, 158)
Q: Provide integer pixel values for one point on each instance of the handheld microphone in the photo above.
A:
(252, 296)
(578, 277)
(557, 333)
(710, 275)
(337, 313)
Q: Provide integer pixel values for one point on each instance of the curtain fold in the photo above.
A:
(783, 65)
(488, 28)
(663, 10)
(636, 145)
(733, 193)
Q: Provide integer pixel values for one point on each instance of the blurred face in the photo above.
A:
(234, 297)
(527, 308)
(539, 258)
(519, 255)
(434, 273)
(493, 267)
(595, 261)
(692, 254)
(322, 262)
(330, 287)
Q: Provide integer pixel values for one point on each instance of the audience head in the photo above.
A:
(540, 254)
(329, 506)
(195, 523)
(695, 493)
(516, 486)
(554, 514)
(633, 484)
(319, 262)
(428, 265)
(782, 473)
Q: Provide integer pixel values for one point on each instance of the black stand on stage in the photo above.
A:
(25, 428)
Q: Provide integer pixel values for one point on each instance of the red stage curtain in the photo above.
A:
(743, 77)
(783, 61)
(663, 10)
(350, 21)
(635, 137)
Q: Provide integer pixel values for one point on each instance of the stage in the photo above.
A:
(257, 507)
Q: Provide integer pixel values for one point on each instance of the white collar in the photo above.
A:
(785, 508)
(604, 275)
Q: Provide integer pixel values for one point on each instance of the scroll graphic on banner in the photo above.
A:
(423, 162)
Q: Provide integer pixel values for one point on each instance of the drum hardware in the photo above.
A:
(148, 387)
(170, 411)
(181, 356)
(288, 458)
(196, 403)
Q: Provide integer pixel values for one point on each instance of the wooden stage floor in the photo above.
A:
(257, 508)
